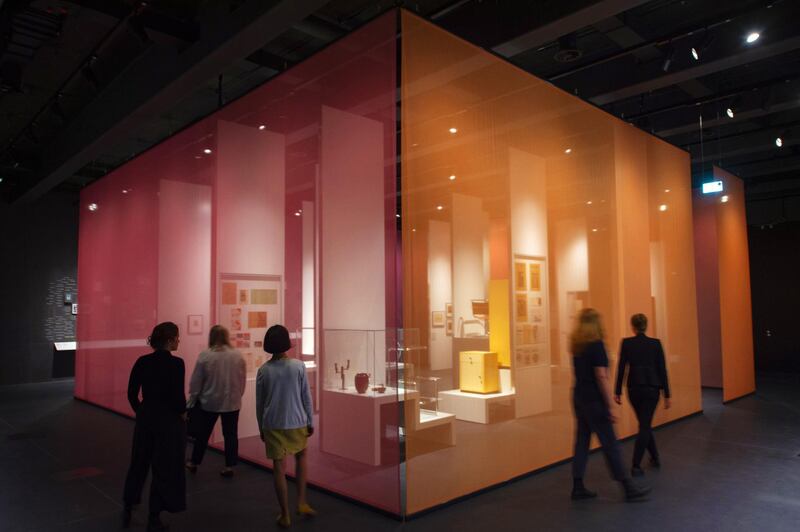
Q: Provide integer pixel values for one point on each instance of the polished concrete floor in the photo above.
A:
(735, 467)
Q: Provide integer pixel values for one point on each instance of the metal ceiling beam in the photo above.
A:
(159, 78)
(572, 22)
(749, 56)
(741, 116)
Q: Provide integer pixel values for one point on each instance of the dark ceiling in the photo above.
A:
(86, 85)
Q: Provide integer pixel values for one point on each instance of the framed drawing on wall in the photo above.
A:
(448, 310)
(448, 329)
(437, 319)
(195, 324)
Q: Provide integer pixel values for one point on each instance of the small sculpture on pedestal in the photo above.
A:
(340, 371)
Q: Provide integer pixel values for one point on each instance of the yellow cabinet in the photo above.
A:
(480, 372)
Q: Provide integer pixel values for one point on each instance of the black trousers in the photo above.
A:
(644, 400)
(159, 443)
(230, 432)
(592, 417)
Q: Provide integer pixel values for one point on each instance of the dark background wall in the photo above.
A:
(38, 264)
(775, 285)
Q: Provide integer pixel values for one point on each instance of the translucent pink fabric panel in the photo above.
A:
(278, 208)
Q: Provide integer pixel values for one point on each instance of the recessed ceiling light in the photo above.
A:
(695, 54)
(589, 202)
(724, 199)
(452, 177)
(262, 127)
(124, 190)
(568, 151)
(753, 37)
(779, 142)
(729, 112)
(439, 207)
(662, 207)
(453, 130)
(666, 190)
(93, 207)
(297, 213)
(207, 151)
(413, 230)
(397, 215)
(594, 230)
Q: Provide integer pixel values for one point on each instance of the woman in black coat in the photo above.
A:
(159, 438)
(647, 376)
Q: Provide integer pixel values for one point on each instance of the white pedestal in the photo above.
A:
(472, 407)
(351, 422)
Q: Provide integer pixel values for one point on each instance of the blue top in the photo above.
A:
(283, 398)
(593, 355)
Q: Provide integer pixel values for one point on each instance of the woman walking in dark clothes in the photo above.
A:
(592, 403)
(159, 437)
(647, 376)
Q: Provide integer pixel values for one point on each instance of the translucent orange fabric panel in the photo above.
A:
(515, 193)
(738, 367)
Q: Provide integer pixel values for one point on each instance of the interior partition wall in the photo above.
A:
(430, 292)
(723, 295)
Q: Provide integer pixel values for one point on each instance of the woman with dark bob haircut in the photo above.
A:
(159, 438)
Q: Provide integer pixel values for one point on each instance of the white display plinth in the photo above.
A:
(351, 423)
(469, 406)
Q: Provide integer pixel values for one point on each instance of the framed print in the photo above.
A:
(195, 324)
(521, 306)
(263, 296)
(228, 293)
(243, 299)
(256, 320)
(520, 277)
(535, 277)
(448, 328)
(437, 319)
(448, 310)
(74, 309)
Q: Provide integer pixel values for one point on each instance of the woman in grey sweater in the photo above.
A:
(285, 418)
(216, 387)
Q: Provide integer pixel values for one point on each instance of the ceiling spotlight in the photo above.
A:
(662, 207)
(124, 190)
(695, 54)
(297, 213)
(397, 215)
(724, 199)
(753, 37)
(1, 179)
(666, 190)
(589, 202)
(568, 151)
(207, 151)
(779, 142)
(453, 131)
(439, 207)
(594, 230)
(452, 177)
(262, 127)
(729, 112)
(92, 207)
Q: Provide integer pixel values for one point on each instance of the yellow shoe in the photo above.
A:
(305, 509)
(284, 521)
